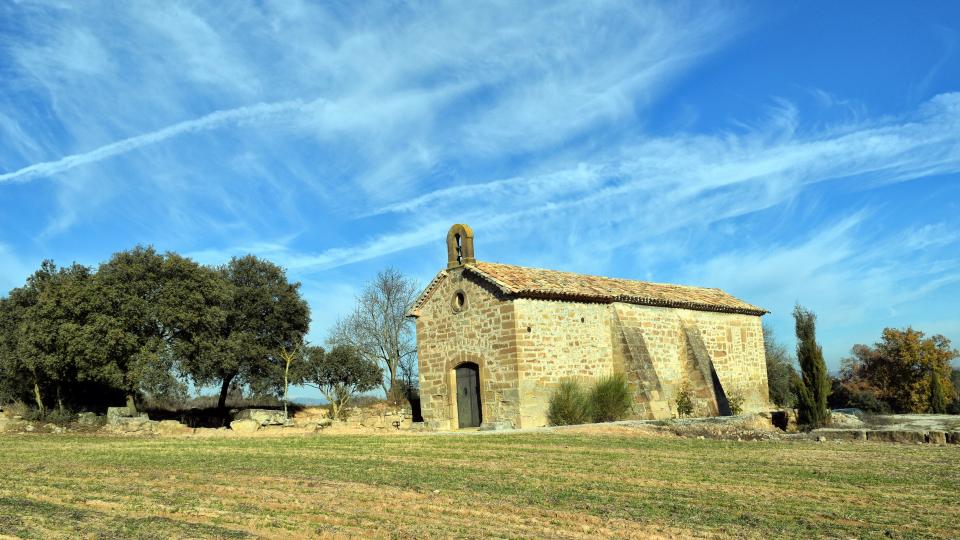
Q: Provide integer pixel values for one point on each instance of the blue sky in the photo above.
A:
(785, 153)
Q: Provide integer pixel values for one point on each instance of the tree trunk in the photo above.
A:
(334, 410)
(222, 402)
(286, 386)
(37, 396)
(392, 394)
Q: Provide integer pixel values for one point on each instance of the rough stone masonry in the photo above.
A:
(520, 331)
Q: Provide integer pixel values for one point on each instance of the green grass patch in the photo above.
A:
(496, 485)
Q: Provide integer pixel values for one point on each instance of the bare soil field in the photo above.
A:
(562, 484)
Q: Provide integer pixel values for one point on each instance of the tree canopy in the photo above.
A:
(903, 369)
(144, 323)
(263, 313)
(338, 374)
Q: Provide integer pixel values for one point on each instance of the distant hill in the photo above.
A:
(309, 401)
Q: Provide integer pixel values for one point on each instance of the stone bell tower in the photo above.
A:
(460, 246)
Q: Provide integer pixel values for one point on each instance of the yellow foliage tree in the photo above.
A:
(901, 366)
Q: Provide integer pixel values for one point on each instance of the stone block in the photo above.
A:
(172, 427)
(937, 437)
(131, 424)
(845, 421)
(265, 417)
(113, 413)
(953, 437)
(245, 425)
(90, 419)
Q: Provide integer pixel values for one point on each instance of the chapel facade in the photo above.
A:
(495, 340)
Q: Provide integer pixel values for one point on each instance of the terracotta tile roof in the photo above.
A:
(525, 282)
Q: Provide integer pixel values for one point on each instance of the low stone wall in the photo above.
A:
(904, 436)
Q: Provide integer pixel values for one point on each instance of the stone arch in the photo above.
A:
(461, 359)
(460, 246)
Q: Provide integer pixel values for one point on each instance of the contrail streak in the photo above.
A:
(210, 121)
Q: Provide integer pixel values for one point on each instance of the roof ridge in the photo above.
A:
(600, 277)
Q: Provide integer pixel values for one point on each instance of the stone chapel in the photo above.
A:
(494, 341)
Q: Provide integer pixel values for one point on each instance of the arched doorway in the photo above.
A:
(468, 395)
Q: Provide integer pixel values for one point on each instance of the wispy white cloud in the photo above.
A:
(682, 167)
(847, 275)
(213, 120)
(653, 186)
(373, 248)
(411, 95)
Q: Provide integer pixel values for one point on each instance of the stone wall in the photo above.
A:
(658, 348)
(557, 341)
(680, 345)
(482, 331)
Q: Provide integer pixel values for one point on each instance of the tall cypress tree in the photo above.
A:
(938, 398)
(813, 385)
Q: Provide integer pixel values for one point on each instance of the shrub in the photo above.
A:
(33, 415)
(568, 405)
(684, 400)
(17, 408)
(735, 401)
(610, 398)
(857, 396)
(954, 407)
(60, 417)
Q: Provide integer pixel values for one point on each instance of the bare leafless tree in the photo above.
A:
(378, 327)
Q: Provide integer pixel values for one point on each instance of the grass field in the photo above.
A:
(513, 485)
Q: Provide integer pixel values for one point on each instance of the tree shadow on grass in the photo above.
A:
(26, 518)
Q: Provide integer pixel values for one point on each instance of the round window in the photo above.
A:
(459, 301)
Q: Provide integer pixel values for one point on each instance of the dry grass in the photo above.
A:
(557, 485)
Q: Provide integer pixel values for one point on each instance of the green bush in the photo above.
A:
(735, 401)
(57, 416)
(610, 398)
(684, 400)
(853, 397)
(954, 407)
(60, 417)
(33, 415)
(568, 405)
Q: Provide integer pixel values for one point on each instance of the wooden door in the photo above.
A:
(468, 395)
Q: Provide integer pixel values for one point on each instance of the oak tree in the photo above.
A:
(263, 314)
(154, 313)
